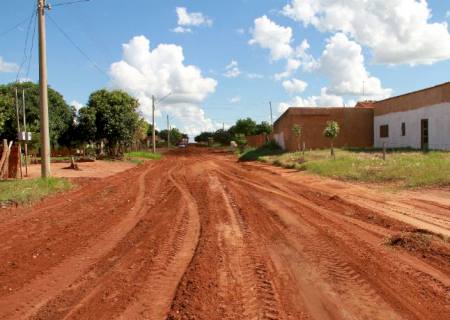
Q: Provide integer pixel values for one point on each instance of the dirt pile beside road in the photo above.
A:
(201, 236)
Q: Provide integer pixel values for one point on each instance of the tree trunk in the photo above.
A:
(332, 151)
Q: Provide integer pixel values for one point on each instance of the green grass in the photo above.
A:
(253, 154)
(28, 191)
(144, 155)
(405, 168)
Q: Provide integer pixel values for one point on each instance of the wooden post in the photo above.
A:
(384, 150)
(18, 135)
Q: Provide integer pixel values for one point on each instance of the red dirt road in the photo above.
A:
(201, 236)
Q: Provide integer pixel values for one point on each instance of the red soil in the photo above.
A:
(201, 236)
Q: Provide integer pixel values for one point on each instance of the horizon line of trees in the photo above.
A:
(243, 127)
(110, 119)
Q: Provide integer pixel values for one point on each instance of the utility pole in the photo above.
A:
(26, 133)
(223, 126)
(18, 135)
(364, 90)
(271, 114)
(168, 132)
(43, 93)
(153, 125)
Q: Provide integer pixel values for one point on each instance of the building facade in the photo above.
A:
(418, 120)
(313, 122)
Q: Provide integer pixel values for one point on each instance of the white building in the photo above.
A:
(418, 120)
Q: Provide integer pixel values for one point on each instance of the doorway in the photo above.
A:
(424, 134)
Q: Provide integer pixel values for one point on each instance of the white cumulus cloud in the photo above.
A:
(294, 86)
(343, 63)
(8, 66)
(398, 31)
(269, 35)
(186, 18)
(324, 100)
(143, 72)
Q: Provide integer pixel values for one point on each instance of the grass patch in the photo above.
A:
(28, 191)
(255, 154)
(144, 155)
(406, 168)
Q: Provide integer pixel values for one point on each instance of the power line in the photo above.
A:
(31, 51)
(16, 26)
(25, 55)
(81, 51)
(68, 3)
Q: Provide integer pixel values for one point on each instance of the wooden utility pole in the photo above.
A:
(168, 132)
(153, 125)
(18, 135)
(26, 133)
(43, 93)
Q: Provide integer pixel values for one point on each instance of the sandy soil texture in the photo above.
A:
(201, 236)
(97, 169)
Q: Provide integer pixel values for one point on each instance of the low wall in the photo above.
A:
(258, 140)
(356, 126)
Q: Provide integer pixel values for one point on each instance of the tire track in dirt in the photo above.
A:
(172, 262)
(243, 288)
(204, 237)
(36, 294)
(341, 271)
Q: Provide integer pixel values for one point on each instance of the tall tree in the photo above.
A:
(116, 118)
(175, 135)
(263, 128)
(245, 126)
(60, 114)
(203, 136)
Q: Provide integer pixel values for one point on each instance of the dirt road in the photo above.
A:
(201, 236)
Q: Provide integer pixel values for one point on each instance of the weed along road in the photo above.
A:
(199, 235)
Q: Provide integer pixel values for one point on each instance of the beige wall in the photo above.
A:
(414, 100)
(356, 127)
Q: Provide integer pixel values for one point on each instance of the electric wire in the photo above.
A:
(16, 26)
(30, 57)
(25, 55)
(68, 3)
(81, 51)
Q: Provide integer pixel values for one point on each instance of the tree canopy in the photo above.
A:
(111, 117)
(61, 116)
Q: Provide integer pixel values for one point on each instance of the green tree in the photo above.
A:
(222, 136)
(60, 114)
(175, 136)
(116, 119)
(203, 137)
(86, 129)
(331, 131)
(246, 127)
(263, 128)
(241, 141)
(297, 132)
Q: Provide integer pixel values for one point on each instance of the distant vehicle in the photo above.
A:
(183, 143)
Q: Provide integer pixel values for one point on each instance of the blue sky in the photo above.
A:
(407, 51)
